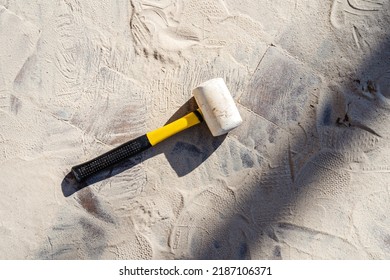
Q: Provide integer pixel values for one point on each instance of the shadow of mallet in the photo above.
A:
(216, 107)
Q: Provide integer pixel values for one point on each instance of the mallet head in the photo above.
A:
(217, 106)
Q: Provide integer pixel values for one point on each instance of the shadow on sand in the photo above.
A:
(270, 202)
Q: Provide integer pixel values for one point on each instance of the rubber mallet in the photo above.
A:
(216, 107)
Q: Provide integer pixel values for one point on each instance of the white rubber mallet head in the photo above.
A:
(217, 106)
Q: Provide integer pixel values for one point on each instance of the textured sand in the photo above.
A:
(306, 176)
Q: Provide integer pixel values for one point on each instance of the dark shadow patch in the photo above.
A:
(25, 73)
(217, 244)
(74, 239)
(327, 115)
(192, 150)
(277, 252)
(146, 53)
(243, 251)
(185, 157)
(15, 104)
(94, 239)
(247, 161)
(387, 241)
(91, 204)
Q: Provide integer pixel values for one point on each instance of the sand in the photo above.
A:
(306, 176)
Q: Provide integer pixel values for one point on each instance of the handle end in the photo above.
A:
(116, 155)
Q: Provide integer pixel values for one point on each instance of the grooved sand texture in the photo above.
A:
(304, 177)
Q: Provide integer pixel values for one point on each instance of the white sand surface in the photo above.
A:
(306, 176)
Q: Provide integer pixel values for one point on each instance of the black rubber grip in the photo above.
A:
(116, 155)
